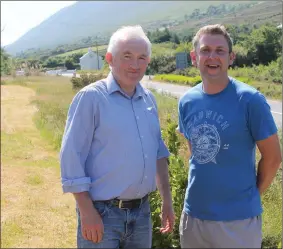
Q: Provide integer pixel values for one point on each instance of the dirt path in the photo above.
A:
(34, 211)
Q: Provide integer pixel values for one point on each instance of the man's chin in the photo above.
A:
(134, 78)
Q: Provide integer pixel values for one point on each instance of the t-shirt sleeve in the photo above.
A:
(260, 119)
(181, 127)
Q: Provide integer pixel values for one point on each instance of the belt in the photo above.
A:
(127, 204)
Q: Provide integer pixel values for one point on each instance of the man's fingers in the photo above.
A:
(99, 235)
(88, 235)
(84, 233)
(163, 220)
(94, 235)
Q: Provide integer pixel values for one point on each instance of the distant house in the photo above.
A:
(90, 61)
(279, 26)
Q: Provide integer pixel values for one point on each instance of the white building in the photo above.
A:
(91, 61)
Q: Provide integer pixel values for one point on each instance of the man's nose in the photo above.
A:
(213, 54)
(134, 64)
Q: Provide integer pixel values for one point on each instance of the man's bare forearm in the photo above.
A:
(84, 201)
(162, 180)
(266, 172)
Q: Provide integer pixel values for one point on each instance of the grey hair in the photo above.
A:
(128, 32)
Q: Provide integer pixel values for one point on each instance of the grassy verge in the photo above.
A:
(53, 96)
(270, 90)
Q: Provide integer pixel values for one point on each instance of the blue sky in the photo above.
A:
(17, 17)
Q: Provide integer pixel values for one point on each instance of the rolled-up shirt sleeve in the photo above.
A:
(162, 150)
(76, 142)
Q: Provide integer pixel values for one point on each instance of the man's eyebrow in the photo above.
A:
(206, 46)
(127, 52)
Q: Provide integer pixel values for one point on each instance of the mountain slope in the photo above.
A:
(100, 18)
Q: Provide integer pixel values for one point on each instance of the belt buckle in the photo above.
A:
(120, 204)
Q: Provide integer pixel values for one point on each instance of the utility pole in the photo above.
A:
(97, 56)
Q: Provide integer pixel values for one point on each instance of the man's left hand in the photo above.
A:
(167, 218)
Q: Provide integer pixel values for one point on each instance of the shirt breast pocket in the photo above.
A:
(152, 120)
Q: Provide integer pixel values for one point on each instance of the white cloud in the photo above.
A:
(18, 17)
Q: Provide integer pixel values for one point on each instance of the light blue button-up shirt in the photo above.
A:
(111, 142)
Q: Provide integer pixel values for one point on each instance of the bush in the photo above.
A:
(86, 79)
(178, 182)
(162, 64)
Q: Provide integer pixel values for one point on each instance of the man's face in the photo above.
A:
(212, 56)
(130, 61)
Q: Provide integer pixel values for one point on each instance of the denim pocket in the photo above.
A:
(145, 209)
(101, 208)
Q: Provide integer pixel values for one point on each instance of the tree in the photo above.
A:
(264, 44)
(5, 62)
(69, 64)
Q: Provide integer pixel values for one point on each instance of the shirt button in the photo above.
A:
(145, 156)
(137, 117)
(145, 177)
(141, 136)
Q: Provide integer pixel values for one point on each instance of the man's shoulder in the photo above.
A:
(244, 90)
(95, 87)
(148, 93)
(192, 94)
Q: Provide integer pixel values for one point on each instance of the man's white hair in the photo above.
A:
(125, 33)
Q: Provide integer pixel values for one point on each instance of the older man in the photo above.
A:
(112, 153)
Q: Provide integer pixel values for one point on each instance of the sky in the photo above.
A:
(18, 17)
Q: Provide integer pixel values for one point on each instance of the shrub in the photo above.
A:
(86, 79)
(178, 182)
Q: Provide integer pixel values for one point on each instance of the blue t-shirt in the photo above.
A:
(223, 129)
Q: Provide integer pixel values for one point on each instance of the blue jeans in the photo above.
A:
(123, 228)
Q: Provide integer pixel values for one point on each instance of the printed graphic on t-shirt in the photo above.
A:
(205, 137)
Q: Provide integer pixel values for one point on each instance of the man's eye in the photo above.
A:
(127, 56)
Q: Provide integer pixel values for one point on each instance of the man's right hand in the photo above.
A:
(92, 227)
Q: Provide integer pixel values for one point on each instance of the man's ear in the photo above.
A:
(232, 57)
(193, 58)
(109, 58)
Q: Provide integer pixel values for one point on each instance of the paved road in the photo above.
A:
(178, 90)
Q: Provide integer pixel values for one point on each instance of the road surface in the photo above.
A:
(178, 90)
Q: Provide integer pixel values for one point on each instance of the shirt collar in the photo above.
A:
(113, 86)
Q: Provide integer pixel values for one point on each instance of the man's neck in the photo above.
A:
(215, 86)
(129, 90)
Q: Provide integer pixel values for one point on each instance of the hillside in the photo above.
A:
(96, 20)
(270, 11)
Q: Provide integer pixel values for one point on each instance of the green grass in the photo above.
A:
(34, 180)
(178, 79)
(11, 231)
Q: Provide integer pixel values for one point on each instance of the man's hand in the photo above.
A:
(167, 218)
(92, 227)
